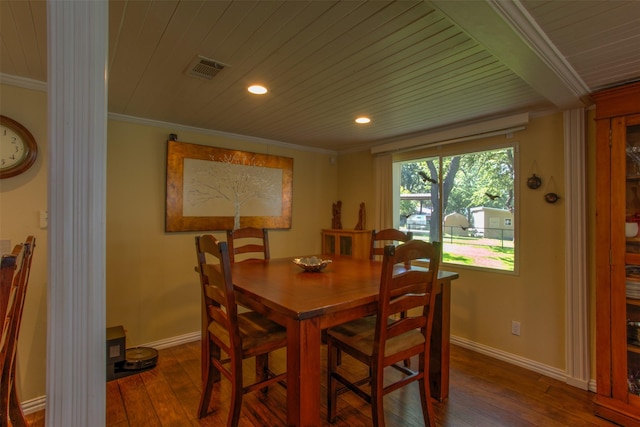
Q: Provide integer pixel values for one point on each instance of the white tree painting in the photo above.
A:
(231, 186)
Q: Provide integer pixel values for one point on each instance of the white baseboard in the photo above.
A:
(34, 405)
(531, 365)
(174, 341)
(39, 403)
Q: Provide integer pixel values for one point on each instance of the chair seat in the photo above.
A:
(256, 332)
(359, 334)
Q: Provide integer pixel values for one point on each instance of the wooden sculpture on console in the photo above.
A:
(362, 218)
(336, 221)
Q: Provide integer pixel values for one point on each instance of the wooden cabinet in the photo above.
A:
(618, 254)
(353, 243)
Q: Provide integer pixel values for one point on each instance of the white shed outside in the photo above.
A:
(456, 224)
(494, 223)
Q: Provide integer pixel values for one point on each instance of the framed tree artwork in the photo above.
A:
(211, 188)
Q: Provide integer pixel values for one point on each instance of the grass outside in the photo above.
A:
(500, 258)
(477, 251)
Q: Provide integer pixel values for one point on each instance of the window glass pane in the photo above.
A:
(465, 200)
(419, 190)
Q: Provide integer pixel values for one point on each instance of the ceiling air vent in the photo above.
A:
(205, 68)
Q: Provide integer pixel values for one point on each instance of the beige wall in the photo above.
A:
(151, 287)
(355, 186)
(485, 302)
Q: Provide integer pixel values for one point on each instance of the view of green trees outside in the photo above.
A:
(467, 201)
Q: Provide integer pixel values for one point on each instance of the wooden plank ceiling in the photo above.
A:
(412, 66)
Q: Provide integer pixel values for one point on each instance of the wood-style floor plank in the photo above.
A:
(484, 392)
(116, 414)
(137, 403)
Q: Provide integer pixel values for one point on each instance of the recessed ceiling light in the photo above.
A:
(257, 89)
(363, 120)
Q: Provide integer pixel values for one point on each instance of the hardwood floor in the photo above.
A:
(484, 392)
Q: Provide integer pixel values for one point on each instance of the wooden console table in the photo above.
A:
(352, 243)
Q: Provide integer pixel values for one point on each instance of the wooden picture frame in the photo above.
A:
(213, 189)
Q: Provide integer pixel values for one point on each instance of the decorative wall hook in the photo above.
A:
(551, 197)
(534, 182)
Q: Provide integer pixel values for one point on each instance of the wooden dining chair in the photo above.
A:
(231, 336)
(385, 237)
(15, 288)
(251, 242)
(384, 340)
(8, 266)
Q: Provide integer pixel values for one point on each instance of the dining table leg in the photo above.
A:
(440, 343)
(303, 372)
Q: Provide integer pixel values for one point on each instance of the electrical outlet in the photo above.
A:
(515, 327)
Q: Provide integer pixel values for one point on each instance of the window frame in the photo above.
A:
(450, 150)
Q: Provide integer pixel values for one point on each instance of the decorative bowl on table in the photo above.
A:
(313, 263)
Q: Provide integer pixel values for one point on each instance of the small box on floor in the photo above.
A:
(122, 361)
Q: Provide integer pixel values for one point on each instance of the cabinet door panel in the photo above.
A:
(625, 137)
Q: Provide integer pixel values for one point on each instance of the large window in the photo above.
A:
(465, 200)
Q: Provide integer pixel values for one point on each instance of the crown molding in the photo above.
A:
(528, 29)
(42, 86)
(174, 127)
(23, 82)
(511, 35)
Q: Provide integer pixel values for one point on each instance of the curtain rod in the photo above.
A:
(463, 133)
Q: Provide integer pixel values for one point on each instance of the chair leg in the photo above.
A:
(407, 362)
(333, 355)
(377, 408)
(207, 388)
(425, 398)
(262, 366)
(5, 393)
(236, 395)
(15, 410)
(211, 375)
(214, 351)
(425, 392)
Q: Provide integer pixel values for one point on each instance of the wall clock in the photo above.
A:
(18, 148)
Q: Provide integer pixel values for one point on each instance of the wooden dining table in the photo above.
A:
(308, 302)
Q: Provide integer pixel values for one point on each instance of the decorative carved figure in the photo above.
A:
(336, 222)
(362, 218)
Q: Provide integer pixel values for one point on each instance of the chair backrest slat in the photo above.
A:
(379, 239)
(248, 240)
(407, 302)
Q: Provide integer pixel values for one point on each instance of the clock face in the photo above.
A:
(18, 149)
(12, 148)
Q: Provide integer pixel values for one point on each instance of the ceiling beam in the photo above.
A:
(511, 34)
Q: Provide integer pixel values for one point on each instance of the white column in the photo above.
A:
(576, 283)
(77, 108)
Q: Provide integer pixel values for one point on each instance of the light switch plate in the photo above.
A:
(44, 219)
